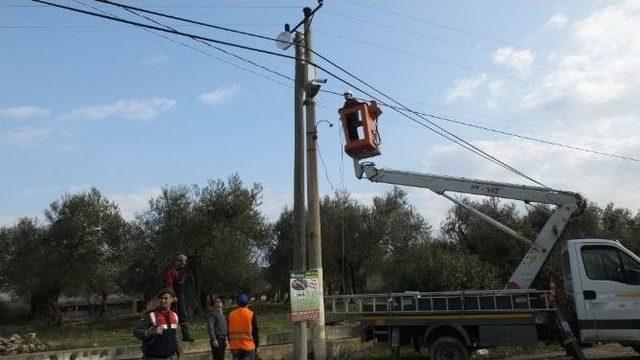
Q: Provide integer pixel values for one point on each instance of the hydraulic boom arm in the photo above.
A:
(539, 249)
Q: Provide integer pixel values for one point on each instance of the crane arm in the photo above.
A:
(567, 203)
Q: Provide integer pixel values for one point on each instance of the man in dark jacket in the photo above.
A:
(217, 328)
(353, 118)
(158, 330)
(176, 279)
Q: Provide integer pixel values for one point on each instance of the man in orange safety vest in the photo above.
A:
(243, 331)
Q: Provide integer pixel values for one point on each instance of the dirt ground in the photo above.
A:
(607, 351)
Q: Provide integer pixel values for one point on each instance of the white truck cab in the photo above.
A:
(602, 282)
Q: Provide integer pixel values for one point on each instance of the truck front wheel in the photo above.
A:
(448, 348)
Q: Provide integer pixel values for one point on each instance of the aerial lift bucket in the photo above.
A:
(360, 125)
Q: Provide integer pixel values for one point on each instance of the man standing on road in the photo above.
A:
(158, 330)
(217, 328)
(176, 279)
(243, 331)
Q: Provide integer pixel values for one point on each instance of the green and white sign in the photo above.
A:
(305, 295)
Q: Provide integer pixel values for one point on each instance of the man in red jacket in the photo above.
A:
(158, 330)
(176, 279)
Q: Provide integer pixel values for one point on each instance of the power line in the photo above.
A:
(467, 146)
(326, 171)
(548, 142)
(209, 54)
(175, 32)
(411, 32)
(444, 26)
(445, 133)
(429, 115)
(442, 61)
(434, 127)
(421, 56)
(82, 26)
(226, 7)
(190, 21)
(246, 33)
(212, 46)
(503, 132)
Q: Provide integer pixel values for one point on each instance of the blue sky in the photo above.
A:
(88, 102)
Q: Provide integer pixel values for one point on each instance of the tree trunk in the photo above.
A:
(103, 303)
(44, 304)
(193, 290)
(204, 300)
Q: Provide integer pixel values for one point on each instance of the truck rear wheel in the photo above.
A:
(636, 348)
(448, 348)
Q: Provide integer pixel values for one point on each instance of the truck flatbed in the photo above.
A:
(442, 303)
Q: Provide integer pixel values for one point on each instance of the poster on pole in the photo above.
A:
(305, 295)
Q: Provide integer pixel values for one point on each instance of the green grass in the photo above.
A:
(107, 331)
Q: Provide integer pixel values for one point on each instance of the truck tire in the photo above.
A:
(448, 348)
(636, 348)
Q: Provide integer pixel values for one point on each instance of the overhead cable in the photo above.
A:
(434, 23)
(503, 132)
(434, 127)
(207, 53)
(443, 132)
(206, 41)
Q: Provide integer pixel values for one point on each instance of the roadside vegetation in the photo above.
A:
(82, 246)
(108, 331)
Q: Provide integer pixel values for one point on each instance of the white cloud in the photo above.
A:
(23, 112)
(519, 61)
(220, 95)
(496, 89)
(133, 203)
(126, 109)
(597, 64)
(26, 136)
(465, 88)
(557, 20)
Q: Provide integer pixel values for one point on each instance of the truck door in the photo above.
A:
(611, 292)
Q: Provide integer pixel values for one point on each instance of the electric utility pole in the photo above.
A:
(314, 245)
(299, 238)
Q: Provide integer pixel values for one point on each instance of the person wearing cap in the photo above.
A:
(176, 279)
(243, 331)
(217, 329)
(158, 329)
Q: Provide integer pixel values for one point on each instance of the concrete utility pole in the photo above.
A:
(318, 338)
(299, 239)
